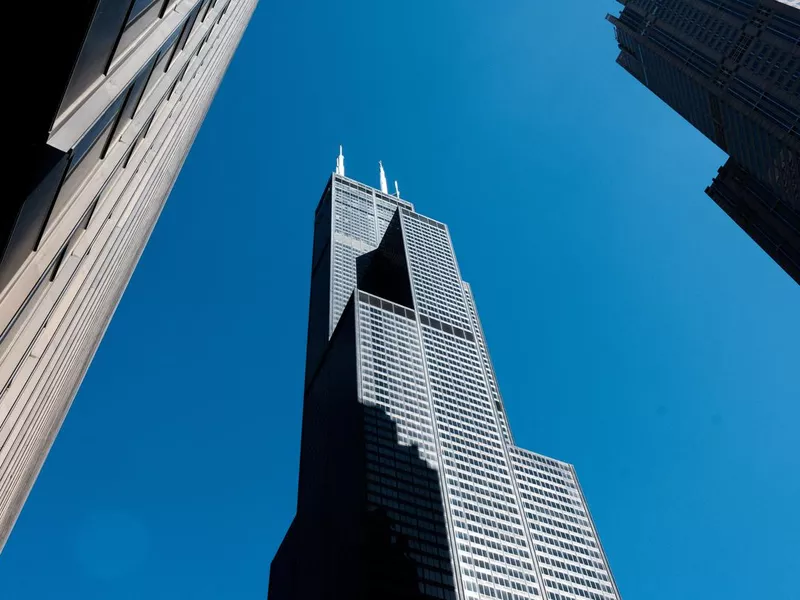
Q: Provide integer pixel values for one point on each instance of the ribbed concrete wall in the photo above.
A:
(52, 329)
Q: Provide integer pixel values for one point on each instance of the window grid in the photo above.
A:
(437, 285)
(512, 514)
(566, 547)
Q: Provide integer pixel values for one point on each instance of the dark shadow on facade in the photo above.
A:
(370, 522)
(72, 45)
(384, 271)
(772, 223)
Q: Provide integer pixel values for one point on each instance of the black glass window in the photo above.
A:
(87, 152)
(98, 45)
(135, 95)
(139, 6)
(187, 28)
(162, 62)
(137, 24)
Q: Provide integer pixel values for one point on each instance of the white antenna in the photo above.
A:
(340, 163)
(384, 186)
(396, 189)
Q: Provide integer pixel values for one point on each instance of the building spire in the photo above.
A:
(384, 186)
(340, 162)
(396, 189)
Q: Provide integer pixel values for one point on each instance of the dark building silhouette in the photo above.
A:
(732, 69)
(410, 486)
(370, 515)
(369, 522)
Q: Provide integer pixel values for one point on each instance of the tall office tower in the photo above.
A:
(732, 69)
(110, 101)
(410, 483)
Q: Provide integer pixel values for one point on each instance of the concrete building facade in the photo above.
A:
(111, 113)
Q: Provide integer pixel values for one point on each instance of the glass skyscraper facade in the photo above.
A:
(108, 104)
(732, 69)
(410, 483)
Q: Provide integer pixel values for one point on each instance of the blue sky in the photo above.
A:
(636, 331)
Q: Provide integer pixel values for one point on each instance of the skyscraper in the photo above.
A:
(110, 98)
(410, 483)
(732, 69)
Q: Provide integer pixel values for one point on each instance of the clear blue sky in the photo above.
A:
(636, 331)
